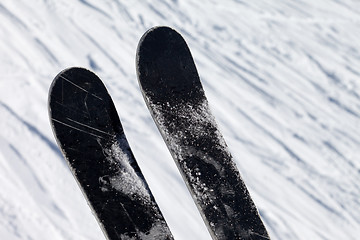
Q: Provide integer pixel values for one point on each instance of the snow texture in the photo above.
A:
(200, 116)
(282, 79)
(192, 126)
(126, 179)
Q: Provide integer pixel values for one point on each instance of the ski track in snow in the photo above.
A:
(282, 79)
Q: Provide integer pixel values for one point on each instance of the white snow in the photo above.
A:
(126, 180)
(282, 79)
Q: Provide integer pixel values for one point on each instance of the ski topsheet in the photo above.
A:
(174, 95)
(88, 131)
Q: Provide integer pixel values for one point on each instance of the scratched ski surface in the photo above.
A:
(174, 95)
(88, 131)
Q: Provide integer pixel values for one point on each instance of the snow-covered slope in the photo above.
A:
(282, 78)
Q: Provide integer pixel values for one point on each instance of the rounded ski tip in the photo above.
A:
(67, 71)
(157, 30)
(156, 40)
(74, 75)
(79, 77)
(165, 67)
(55, 82)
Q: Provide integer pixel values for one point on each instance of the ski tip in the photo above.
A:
(76, 75)
(79, 77)
(157, 30)
(156, 40)
(165, 68)
(67, 71)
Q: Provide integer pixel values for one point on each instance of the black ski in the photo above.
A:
(89, 133)
(174, 95)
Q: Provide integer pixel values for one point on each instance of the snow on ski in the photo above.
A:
(174, 95)
(89, 133)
